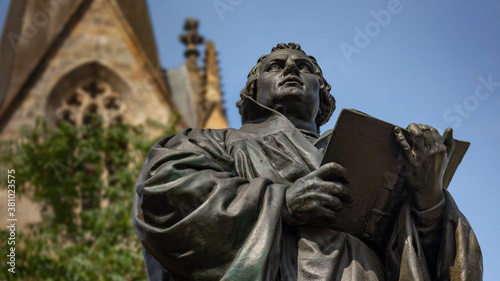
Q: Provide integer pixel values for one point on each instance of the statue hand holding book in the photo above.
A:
(426, 161)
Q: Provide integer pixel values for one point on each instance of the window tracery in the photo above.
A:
(90, 96)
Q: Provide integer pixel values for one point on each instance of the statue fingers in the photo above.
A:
(338, 190)
(431, 143)
(448, 141)
(405, 146)
(329, 202)
(417, 138)
(441, 147)
(333, 172)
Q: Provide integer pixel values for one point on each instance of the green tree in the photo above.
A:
(84, 178)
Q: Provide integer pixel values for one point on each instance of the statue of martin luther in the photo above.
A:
(255, 204)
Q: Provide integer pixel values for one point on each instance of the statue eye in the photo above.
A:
(274, 66)
(305, 67)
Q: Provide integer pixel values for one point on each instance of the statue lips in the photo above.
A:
(291, 80)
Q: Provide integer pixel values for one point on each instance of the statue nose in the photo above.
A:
(291, 68)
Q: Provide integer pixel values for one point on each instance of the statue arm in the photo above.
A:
(431, 234)
(435, 244)
(429, 224)
(195, 215)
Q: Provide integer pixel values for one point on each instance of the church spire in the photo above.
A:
(191, 39)
(214, 113)
(200, 99)
(212, 78)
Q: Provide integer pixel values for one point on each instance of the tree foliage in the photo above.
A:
(84, 179)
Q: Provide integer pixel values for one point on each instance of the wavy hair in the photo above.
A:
(327, 101)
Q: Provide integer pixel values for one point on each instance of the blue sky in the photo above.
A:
(421, 61)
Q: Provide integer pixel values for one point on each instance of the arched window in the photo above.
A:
(91, 88)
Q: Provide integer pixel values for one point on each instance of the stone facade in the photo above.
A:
(97, 63)
(99, 48)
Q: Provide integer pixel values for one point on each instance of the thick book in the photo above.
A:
(368, 149)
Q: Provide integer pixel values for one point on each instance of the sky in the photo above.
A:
(421, 61)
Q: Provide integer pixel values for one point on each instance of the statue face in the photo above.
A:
(287, 83)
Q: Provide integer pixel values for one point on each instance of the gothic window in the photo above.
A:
(90, 96)
(89, 89)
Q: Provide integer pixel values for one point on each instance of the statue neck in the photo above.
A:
(254, 112)
(299, 115)
(303, 125)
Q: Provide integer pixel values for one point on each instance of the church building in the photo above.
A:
(66, 59)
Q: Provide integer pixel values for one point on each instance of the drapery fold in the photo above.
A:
(209, 203)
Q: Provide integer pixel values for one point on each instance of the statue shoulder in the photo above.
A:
(196, 136)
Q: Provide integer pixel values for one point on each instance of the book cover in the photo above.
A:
(368, 149)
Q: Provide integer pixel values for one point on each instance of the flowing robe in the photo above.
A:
(209, 205)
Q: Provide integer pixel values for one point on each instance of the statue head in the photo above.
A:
(326, 104)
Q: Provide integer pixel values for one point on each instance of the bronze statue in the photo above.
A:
(255, 203)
